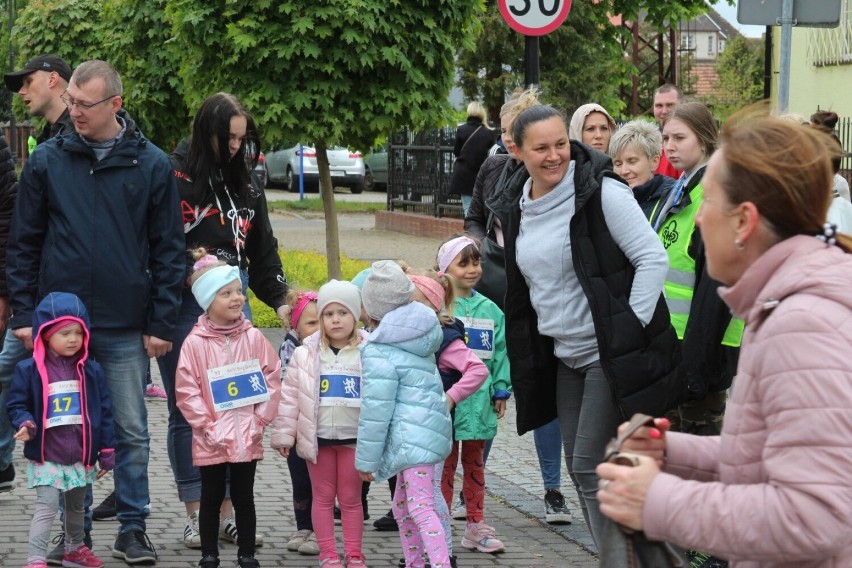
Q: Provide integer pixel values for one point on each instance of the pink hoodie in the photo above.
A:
(775, 489)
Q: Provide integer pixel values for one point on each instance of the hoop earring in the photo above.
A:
(738, 245)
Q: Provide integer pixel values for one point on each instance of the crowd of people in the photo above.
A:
(672, 270)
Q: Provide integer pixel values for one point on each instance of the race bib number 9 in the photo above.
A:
(236, 385)
(479, 336)
(63, 404)
(340, 390)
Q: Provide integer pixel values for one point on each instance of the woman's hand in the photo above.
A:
(647, 441)
(366, 476)
(284, 452)
(283, 312)
(622, 490)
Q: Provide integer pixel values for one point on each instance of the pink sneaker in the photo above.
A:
(82, 558)
(154, 391)
(480, 536)
(36, 564)
(330, 562)
(355, 560)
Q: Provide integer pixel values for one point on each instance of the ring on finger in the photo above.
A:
(604, 484)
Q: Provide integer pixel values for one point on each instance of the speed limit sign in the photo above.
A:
(534, 17)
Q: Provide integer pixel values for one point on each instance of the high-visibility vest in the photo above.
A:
(676, 234)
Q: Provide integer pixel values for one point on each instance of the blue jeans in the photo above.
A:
(548, 446)
(466, 199)
(13, 352)
(125, 361)
(179, 437)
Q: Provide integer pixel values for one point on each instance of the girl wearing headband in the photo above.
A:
(227, 386)
(475, 419)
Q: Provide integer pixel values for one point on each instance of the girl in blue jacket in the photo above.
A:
(404, 427)
(59, 405)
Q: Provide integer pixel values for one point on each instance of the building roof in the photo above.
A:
(712, 21)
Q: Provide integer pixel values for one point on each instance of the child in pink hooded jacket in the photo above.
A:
(228, 386)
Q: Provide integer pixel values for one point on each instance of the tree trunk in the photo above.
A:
(332, 234)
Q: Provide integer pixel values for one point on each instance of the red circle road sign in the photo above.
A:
(534, 17)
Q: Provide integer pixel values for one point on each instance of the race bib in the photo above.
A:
(479, 336)
(340, 390)
(236, 385)
(63, 404)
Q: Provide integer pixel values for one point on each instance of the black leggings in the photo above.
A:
(213, 482)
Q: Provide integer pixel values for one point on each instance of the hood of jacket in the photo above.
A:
(798, 265)
(55, 307)
(412, 327)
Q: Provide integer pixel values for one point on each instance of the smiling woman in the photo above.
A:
(635, 150)
(585, 317)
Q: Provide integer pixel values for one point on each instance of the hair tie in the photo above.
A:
(829, 232)
(440, 274)
(205, 261)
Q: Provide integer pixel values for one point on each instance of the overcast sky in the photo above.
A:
(730, 14)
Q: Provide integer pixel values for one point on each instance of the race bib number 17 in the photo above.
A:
(63, 404)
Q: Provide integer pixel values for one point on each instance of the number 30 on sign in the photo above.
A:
(534, 17)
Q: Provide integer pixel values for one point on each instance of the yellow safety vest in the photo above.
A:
(676, 235)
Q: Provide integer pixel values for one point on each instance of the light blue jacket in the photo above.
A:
(404, 418)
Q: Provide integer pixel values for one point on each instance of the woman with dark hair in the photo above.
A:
(775, 488)
(587, 330)
(224, 211)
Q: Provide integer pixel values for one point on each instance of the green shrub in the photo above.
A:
(305, 270)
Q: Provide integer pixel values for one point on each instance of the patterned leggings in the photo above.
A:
(420, 528)
(473, 481)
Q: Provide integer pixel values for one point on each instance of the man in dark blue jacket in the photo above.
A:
(98, 215)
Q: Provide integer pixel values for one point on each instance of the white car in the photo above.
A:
(346, 167)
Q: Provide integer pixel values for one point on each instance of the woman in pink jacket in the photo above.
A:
(228, 386)
(775, 489)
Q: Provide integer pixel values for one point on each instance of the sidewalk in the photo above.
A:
(514, 504)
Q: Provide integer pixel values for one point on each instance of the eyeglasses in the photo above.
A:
(71, 103)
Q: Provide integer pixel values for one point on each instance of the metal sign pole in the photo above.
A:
(786, 21)
(531, 68)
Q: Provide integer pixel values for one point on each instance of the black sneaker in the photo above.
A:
(336, 515)
(106, 510)
(134, 547)
(555, 511)
(55, 557)
(247, 561)
(209, 561)
(7, 479)
(386, 523)
(366, 510)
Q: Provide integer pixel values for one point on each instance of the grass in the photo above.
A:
(305, 270)
(315, 204)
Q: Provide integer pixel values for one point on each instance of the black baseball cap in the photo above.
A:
(14, 81)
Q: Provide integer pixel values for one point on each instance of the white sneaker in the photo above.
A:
(228, 531)
(297, 539)
(310, 546)
(191, 538)
(459, 512)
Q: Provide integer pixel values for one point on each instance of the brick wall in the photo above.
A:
(418, 225)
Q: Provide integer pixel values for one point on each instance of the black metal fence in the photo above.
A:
(419, 168)
(844, 132)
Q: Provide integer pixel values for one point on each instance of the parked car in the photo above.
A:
(260, 170)
(376, 170)
(346, 167)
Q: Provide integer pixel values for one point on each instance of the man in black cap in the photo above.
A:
(40, 83)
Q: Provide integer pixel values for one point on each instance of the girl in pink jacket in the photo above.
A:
(228, 386)
(318, 414)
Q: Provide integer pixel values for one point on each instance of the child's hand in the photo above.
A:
(23, 435)
(285, 452)
(451, 404)
(101, 473)
(368, 477)
(500, 408)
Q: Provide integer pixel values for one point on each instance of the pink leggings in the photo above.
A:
(420, 528)
(333, 475)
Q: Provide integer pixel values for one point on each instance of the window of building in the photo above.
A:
(687, 41)
(710, 41)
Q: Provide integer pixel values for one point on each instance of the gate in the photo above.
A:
(419, 168)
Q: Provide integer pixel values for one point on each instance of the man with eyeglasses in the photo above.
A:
(39, 83)
(98, 215)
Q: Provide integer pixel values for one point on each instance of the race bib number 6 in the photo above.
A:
(236, 385)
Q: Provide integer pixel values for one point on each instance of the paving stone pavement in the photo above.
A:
(514, 504)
